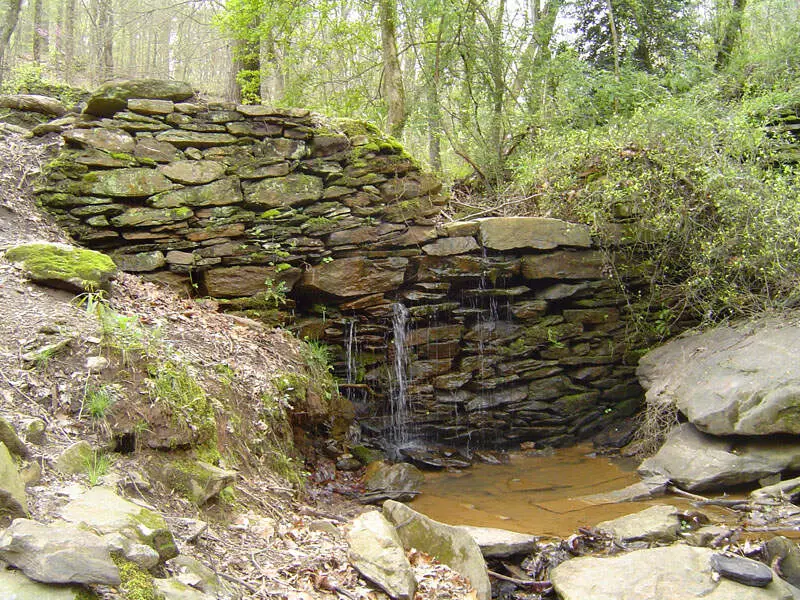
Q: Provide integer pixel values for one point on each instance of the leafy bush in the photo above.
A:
(717, 217)
(30, 78)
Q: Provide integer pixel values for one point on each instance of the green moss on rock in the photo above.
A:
(137, 584)
(64, 266)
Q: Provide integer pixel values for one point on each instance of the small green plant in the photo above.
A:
(97, 465)
(552, 337)
(91, 301)
(317, 356)
(172, 384)
(126, 335)
(98, 401)
(327, 259)
(275, 294)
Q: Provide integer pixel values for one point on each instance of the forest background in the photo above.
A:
(681, 117)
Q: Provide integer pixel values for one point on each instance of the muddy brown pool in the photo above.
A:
(532, 494)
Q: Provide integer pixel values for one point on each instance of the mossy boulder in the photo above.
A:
(64, 266)
(33, 103)
(295, 189)
(197, 480)
(8, 435)
(126, 183)
(105, 512)
(193, 172)
(101, 138)
(13, 502)
(113, 96)
(75, 458)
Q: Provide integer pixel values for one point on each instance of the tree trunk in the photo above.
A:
(69, 39)
(392, 73)
(232, 91)
(38, 30)
(108, 40)
(273, 81)
(731, 35)
(432, 55)
(11, 10)
(612, 24)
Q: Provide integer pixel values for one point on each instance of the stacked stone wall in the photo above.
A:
(517, 333)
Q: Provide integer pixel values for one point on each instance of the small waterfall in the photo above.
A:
(350, 352)
(398, 379)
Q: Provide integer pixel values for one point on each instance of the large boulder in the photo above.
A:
(377, 553)
(58, 553)
(696, 461)
(102, 510)
(742, 379)
(13, 502)
(399, 481)
(450, 545)
(64, 266)
(676, 572)
(113, 96)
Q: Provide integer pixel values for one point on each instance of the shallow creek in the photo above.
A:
(533, 494)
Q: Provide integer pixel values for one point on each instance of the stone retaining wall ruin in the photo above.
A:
(515, 332)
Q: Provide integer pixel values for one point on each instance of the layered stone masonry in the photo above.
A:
(516, 332)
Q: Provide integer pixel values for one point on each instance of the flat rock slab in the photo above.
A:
(58, 553)
(377, 553)
(499, 543)
(33, 103)
(742, 379)
(696, 461)
(655, 524)
(450, 545)
(674, 572)
(742, 570)
(641, 490)
(107, 513)
(113, 96)
(16, 586)
(540, 233)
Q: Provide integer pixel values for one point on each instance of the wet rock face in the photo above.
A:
(515, 331)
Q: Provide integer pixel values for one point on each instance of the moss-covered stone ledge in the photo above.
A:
(516, 329)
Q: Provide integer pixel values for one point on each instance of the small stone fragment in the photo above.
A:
(742, 570)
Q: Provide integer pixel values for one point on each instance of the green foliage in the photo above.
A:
(317, 356)
(713, 211)
(173, 384)
(29, 78)
(125, 335)
(137, 583)
(275, 293)
(97, 401)
(97, 465)
(250, 85)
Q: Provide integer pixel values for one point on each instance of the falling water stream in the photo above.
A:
(398, 380)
